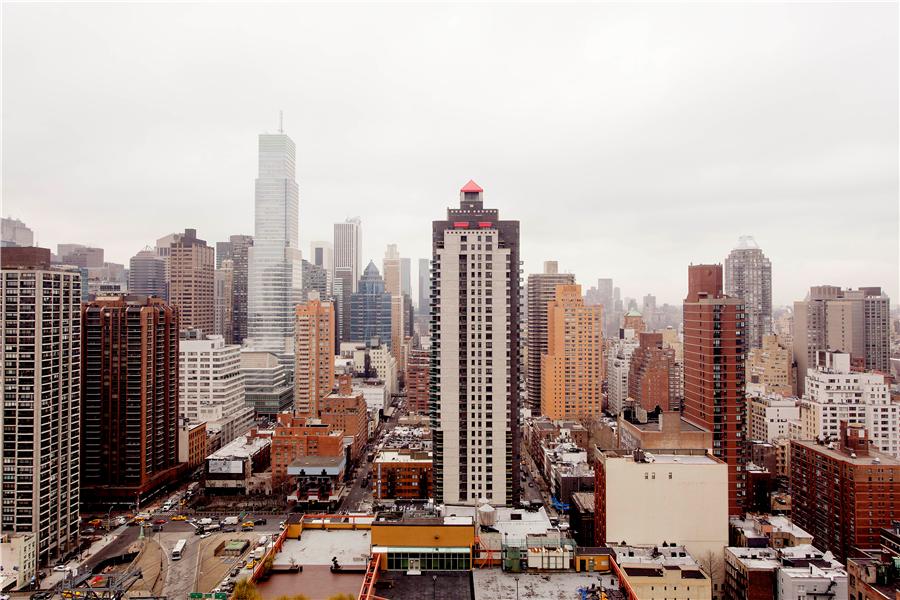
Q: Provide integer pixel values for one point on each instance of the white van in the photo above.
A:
(204, 522)
(230, 521)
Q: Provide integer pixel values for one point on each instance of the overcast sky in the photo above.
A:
(629, 140)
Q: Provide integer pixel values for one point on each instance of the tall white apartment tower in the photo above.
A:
(476, 356)
(40, 323)
(275, 273)
(347, 270)
(748, 276)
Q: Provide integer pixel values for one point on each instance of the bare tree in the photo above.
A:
(713, 564)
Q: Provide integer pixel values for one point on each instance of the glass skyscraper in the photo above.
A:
(275, 277)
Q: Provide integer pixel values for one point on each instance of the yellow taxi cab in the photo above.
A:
(179, 518)
(251, 564)
(247, 525)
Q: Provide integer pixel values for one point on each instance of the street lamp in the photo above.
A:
(433, 586)
(517, 586)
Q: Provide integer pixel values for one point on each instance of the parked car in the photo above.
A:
(41, 595)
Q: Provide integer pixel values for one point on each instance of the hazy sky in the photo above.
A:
(630, 140)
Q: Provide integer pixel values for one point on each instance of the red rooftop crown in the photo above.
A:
(471, 187)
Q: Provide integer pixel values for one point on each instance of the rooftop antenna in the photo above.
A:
(280, 121)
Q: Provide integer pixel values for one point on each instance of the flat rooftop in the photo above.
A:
(883, 459)
(656, 426)
(242, 447)
(498, 584)
(423, 457)
(317, 547)
(439, 585)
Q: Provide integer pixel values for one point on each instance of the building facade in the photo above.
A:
(770, 415)
(267, 388)
(572, 367)
(129, 404)
(853, 321)
(224, 303)
(345, 410)
(748, 276)
(298, 437)
(476, 353)
(314, 370)
(211, 387)
(836, 393)
(147, 274)
(417, 375)
(275, 272)
(771, 367)
(403, 474)
(541, 290)
(192, 281)
(424, 286)
(393, 285)
(347, 270)
(714, 354)
(618, 368)
(371, 310)
(322, 255)
(680, 496)
(40, 316)
(844, 495)
(653, 376)
(14, 232)
(240, 266)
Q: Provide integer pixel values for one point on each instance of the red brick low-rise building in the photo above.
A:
(403, 474)
(844, 496)
(346, 410)
(299, 437)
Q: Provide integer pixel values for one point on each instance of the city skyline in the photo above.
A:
(775, 154)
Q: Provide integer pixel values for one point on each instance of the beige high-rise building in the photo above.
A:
(314, 355)
(393, 285)
(571, 370)
(770, 367)
(541, 290)
(192, 266)
(853, 321)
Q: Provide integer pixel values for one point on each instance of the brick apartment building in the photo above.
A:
(346, 411)
(417, 365)
(714, 352)
(298, 437)
(653, 378)
(403, 474)
(844, 495)
(129, 408)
